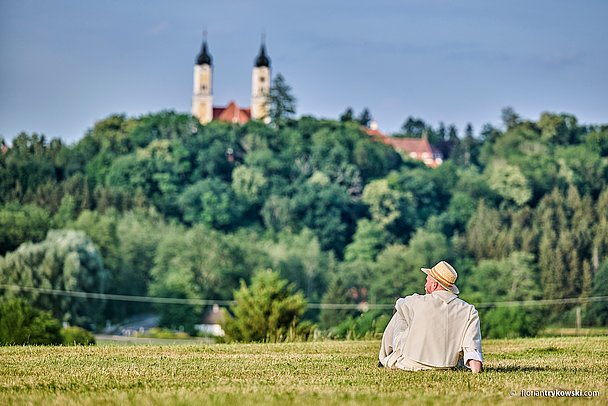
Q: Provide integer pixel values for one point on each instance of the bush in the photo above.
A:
(268, 310)
(157, 332)
(370, 324)
(20, 324)
(511, 322)
(77, 336)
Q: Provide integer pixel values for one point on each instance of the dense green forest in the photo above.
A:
(161, 205)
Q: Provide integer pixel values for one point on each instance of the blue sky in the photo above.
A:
(66, 64)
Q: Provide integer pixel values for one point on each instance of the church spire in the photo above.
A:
(260, 84)
(262, 59)
(202, 92)
(204, 57)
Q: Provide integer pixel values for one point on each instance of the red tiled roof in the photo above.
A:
(232, 114)
(410, 145)
(416, 148)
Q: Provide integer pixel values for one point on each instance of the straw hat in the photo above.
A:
(444, 274)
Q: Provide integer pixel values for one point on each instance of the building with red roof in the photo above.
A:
(202, 96)
(232, 113)
(416, 148)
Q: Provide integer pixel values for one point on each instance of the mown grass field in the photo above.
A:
(294, 373)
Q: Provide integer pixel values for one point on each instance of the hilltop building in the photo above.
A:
(202, 95)
(415, 148)
(203, 108)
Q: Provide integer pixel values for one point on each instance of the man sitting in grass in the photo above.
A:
(433, 331)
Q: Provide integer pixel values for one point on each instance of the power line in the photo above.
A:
(341, 306)
(122, 298)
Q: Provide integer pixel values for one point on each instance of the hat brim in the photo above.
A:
(453, 289)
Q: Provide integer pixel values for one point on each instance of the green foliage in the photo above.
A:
(30, 167)
(184, 210)
(299, 259)
(249, 184)
(348, 115)
(509, 182)
(598, 311)
(327, 211)
(200, 263)
(511, 322)
(511, 279)
(19, 224)
(75, 335)
(414, 127)
(211, 202)
(20, 324)
(368, 240)
(484, 233)
(396, 274)
(365, 117)
(268, 310)
(386, 205)
(367, 325)
(281, 100)
(163, 333)
(65, 260)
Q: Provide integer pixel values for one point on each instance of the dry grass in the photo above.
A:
(295, 373)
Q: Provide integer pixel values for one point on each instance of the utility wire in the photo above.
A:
(209, 302)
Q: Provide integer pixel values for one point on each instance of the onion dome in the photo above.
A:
(204, 57)
(262, 59)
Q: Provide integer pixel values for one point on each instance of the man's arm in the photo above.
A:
(471, 345)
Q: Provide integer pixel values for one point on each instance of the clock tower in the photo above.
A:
(260, 85)
(202, 93)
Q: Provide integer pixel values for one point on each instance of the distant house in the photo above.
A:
(212, 322)
(415, 148)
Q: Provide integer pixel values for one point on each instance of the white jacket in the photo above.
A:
(433, 330)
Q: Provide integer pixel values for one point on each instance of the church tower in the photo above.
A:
(260, 84)
(202, 94)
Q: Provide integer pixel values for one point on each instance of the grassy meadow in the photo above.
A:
(330, 372)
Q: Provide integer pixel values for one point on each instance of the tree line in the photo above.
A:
(161, 205)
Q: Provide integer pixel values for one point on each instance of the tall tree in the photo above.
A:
(65, 260)
(365, 117)
(281, 100)
(348, 115)
(414, 127)
(510, 118)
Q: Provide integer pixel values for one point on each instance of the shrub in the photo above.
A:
(20, 324)
(370, 324)
(77, 336)
(157, 332)
(511, 322)
(268, 310)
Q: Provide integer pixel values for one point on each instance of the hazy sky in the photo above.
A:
(66, 64)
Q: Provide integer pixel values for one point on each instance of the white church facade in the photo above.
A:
(202, 95)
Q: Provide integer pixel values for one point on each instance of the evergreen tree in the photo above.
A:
(266, 310)
(348, 115)
(365, 117)
(282, 103)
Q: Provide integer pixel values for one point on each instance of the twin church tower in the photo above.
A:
(202, 97)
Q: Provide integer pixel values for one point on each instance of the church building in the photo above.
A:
(202, 96)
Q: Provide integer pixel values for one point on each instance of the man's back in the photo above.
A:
(438, 326)
(433, 330)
